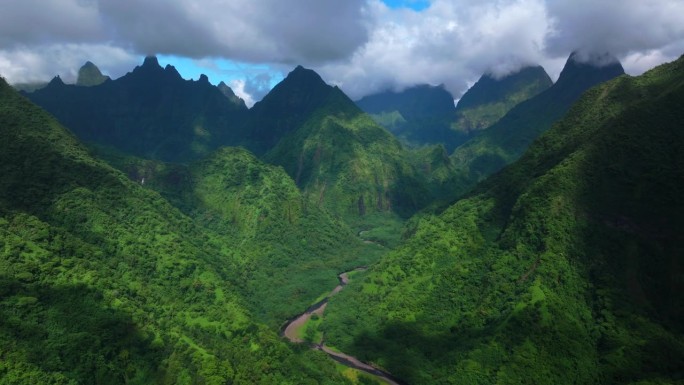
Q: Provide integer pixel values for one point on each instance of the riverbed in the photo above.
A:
(291, 332)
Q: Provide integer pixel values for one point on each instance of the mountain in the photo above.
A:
(340, 158)
(418, 115)
(150, 112)
(564, 268)
(89, 75)
(285, 108)
(491, 98)
(508, 138)
(102, 281)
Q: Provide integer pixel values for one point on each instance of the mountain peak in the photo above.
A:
(305, 76)
(89, 75)
(589, 67)
(151, 61)
(56, 81)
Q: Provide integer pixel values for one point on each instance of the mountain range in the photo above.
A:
(156, 230)
(426, 114)
(151, 112)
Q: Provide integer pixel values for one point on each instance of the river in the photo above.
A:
(291, 328)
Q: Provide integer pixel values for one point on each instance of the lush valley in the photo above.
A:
(102, 280)
(157, 254)
(563, 268)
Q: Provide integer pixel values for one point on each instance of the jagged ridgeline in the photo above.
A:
(103, 281)
(565, 268)
(336, 153)
(150, 112)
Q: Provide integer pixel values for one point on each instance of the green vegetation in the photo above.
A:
(289, 251)
(342, 160)
(102, 281)
(564, 268)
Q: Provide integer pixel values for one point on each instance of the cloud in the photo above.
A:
(252, 88)
(619, 27)
(41, 22)
(454, 42)
(311, 31)
(40, 63)
(449, 42)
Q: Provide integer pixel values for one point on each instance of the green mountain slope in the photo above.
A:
(289, 251)
(491, 98)
(102, 281)
(150, 112)
(564, 268)
(506, 140)
(339, 157)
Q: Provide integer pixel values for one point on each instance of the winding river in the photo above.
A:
(291, 328)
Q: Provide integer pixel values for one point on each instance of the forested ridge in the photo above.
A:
(563, 268)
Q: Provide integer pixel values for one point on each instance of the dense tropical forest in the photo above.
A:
(155, 230)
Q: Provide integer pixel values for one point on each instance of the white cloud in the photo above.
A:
(450, 43)
(238, 87)
(41, 63)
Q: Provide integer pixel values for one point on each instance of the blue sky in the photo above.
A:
(416, 5)
(218, 70)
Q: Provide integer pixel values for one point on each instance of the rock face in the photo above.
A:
(89, 75)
